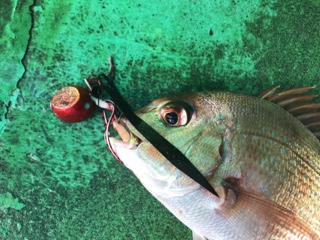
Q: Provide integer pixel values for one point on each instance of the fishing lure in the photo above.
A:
(72, 104)
(118, 107)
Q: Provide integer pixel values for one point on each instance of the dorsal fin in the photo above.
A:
(299, 105)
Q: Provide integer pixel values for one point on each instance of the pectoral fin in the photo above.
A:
(195, 236)
(265, 218)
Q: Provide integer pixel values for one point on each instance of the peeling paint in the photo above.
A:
(13, 44)
(8, 201)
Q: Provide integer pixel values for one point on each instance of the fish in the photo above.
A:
(261, 154)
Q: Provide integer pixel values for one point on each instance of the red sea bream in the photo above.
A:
(260, 154)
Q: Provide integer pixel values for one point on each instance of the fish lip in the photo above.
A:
(130, 137)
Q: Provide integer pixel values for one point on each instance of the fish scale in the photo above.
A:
(261, 160)
(300, 181)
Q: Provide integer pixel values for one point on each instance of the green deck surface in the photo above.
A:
(58, 180)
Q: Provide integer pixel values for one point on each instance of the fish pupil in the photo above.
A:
(172, 118)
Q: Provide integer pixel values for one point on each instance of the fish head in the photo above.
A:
(192, 122)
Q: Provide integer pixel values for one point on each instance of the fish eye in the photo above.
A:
(175, 114)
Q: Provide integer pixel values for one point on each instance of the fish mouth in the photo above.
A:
(128, 134)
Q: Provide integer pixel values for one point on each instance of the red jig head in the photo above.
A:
(72, 104)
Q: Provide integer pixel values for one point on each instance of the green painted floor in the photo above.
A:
(58, 180)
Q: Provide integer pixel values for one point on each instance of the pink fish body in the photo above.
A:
(261, 155)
